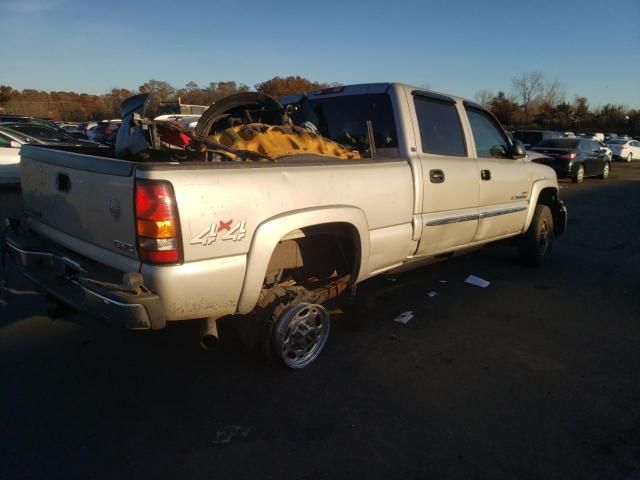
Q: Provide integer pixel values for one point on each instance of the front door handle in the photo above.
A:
(436, 176)
(485, 174)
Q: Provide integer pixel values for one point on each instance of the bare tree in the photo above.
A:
(553, 93)
(484, 97)
(528, 86)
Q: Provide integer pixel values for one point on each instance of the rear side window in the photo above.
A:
(4, 141)
(344, 118)
(489, 140)
(440, 129)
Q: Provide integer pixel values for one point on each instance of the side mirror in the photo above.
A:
(14, 144)
(518, 150)
(498, 151)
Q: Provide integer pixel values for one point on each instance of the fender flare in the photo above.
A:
(269, 233)
(538, 187)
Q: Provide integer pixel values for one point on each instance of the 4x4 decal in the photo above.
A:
(221, 230)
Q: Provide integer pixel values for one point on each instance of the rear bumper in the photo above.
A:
(83, 284)
(562, 168)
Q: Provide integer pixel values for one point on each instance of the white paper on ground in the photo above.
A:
(432, 294)
(404, 317)
(477, 281)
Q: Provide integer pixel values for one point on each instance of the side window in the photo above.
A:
(489, 139)
(4, 141)
(595, 148)
(440, 129)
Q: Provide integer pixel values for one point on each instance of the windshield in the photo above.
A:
(43, 133)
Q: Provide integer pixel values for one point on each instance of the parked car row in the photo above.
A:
(615, 147)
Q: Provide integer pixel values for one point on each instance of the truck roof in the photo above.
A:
(360, 89)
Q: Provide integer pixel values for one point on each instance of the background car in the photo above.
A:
(82, 129)
(10, 143)
(47, 135)
(575, 158)
(623, 149)
(105, 132)
(6, 119)
(531, 138)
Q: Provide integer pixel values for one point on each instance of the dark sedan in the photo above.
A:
(106, 132)
(575, 158)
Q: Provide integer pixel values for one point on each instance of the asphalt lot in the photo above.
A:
(536, 376)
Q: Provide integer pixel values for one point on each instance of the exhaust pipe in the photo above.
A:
(209, 334)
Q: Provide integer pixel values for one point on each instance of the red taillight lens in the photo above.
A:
(157, 222)
(567, 156)
(107, 131)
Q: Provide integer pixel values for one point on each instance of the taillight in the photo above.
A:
(107, 131)
(567, 156)
(157, 222)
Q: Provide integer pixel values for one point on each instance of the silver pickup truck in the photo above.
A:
(142, 243)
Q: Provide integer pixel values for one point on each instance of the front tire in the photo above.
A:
(579, 176)
(629, 157)
(605, 171)
(536, 243)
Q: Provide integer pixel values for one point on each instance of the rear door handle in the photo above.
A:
(436, 176)
(63, 182)
(485, 174)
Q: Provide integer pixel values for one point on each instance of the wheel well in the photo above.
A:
(315, 255)
(549, 197)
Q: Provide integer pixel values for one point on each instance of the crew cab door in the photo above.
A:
(449, 175)
(504, 181)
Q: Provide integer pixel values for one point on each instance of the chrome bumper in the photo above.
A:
(82, 284)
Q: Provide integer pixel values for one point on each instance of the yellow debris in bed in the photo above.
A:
(276, 141)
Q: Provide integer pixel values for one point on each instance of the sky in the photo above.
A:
(591, 47)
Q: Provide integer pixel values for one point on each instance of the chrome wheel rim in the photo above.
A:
(629, 158)
(580, 174)
(544, 239)
(605, 170)
(304, 332)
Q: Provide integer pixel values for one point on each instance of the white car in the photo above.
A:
(10, 144)
(625, 150)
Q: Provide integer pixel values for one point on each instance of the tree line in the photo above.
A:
(72, 106)
(532, 102)
(535, 102)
